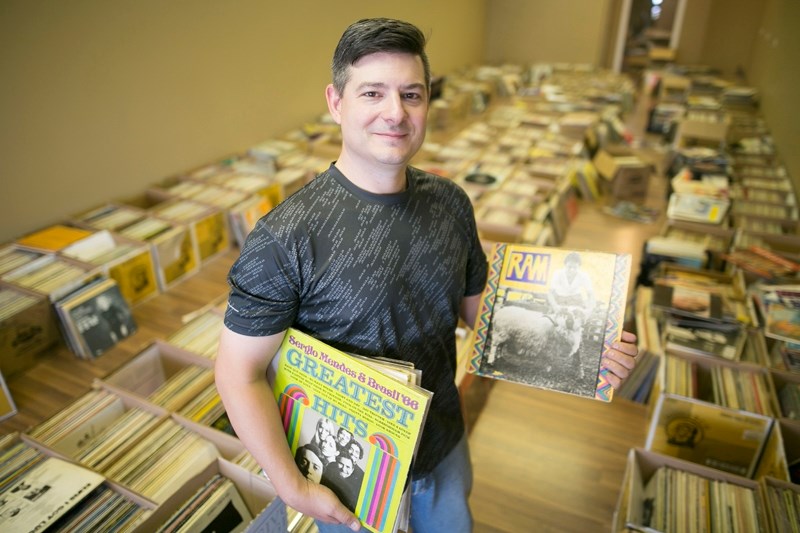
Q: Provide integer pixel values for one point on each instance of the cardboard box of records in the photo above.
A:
(108, 216)
(731, 440)
(790, 439)
(52, 275)
(172, 246)
(159, 463)
(61, 486)
(163, 375)
(694, 131)
(625, 175)
(208, 225)
(52, 238)
(658, 490)
(674, 88)
(129, 262)
(242, 500)
(27, 328)
(779, 497)
(787, 389)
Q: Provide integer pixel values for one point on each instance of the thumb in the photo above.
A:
(343, 515)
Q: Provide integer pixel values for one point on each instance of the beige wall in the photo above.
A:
(693, 32)
(524, 31)
(731, 34)
(774, 70)
(100, 99)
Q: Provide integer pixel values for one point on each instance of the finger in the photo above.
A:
(626, 348)
(342, 515)
(621, 358)
(616, 372)
(627, 336)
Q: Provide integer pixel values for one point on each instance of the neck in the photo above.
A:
(383, 179)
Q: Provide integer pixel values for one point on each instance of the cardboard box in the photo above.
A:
(15, 439)
(701, 133)
(151, 368)
(69, 438)
(52, 275)
(130, 263)
(631, 509)
(26, 333)
(13, 256)
(674, 88)
(722, 438)
(773, 462)
(208, 225)
(790, 438)
(172, 247)
(257, 493)
(499, 224)
(625, 175)
(110, 216)
(53, 238)
(779, 518)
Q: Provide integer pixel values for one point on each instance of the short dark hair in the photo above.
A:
(358, 446)
(370, 36)
(310, 447)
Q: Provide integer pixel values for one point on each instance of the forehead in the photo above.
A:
(387, 67)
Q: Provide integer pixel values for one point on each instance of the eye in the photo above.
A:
(370, 94)
(412, 96)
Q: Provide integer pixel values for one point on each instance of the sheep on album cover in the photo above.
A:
(547, 315)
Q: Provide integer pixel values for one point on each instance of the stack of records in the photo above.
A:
(95, 318)
(200, 335)
(207, 409)
(677, 500)
(162, 461)
(217, 506)
(60, 496)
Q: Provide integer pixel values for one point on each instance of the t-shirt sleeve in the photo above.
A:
(264, 294)
(477, 265)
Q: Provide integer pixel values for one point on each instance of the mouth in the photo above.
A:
(392, 134)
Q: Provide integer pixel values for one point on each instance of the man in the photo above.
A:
(343, 438)
(338, 476)
(309, 460)
(373, 257)
(571, 286)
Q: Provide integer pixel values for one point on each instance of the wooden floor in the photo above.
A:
(550, 462)
(542, 461)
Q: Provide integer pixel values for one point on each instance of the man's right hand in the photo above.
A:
(320, 503)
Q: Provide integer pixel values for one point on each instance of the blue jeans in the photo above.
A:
(439, 500)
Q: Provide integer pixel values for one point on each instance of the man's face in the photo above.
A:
(383, 110)
(354, 451)
(343, 437)
(310, 466)
(345, 465)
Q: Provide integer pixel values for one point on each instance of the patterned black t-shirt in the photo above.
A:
(369, 274)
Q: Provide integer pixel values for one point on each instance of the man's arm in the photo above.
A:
(469, 309)
(241, 379)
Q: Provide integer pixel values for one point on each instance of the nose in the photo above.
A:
(394, 111)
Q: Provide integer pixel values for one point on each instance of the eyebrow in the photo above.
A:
(379, 85)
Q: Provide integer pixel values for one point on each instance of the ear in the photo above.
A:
(334, 103)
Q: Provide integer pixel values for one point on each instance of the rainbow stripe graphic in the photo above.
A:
(292, 397)
(381, 478)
